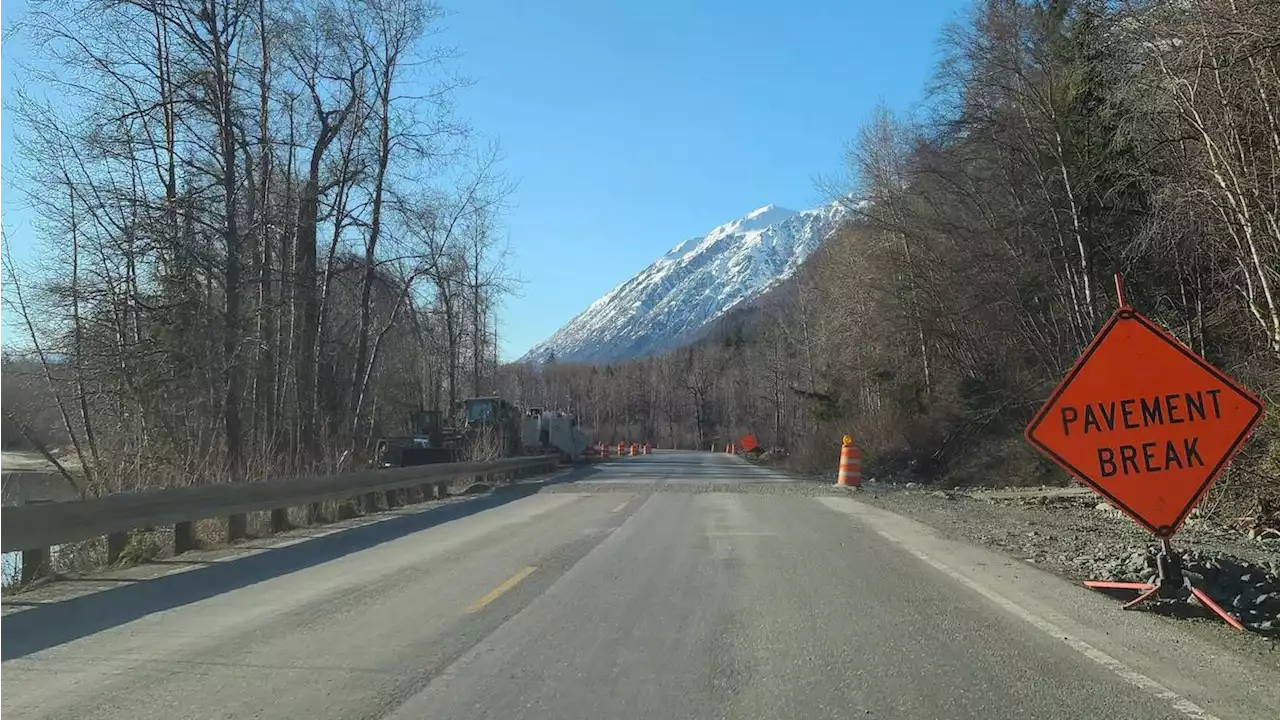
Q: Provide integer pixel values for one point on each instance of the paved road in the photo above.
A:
(619, 604)
(682, 468)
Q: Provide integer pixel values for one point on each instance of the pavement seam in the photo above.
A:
(552, 573)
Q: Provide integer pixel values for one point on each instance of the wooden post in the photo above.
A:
(116, 543)
(35, 564)
(184, 537)
(315, 513)
(369, 503)
(392, 500)
(237, 527)
(279, 520)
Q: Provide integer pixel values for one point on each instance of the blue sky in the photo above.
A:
(631, 126)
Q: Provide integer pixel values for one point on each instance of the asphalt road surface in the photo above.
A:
(625, 602)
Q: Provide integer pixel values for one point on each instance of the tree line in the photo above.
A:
(1059, 142)
(266, 234)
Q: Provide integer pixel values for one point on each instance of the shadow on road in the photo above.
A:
(49, 625)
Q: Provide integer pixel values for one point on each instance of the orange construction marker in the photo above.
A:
(850, 465)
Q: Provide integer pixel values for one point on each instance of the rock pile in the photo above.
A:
(1250, 591)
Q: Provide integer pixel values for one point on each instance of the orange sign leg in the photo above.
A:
(1171, 584)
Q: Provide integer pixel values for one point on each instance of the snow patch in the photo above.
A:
(694, 283)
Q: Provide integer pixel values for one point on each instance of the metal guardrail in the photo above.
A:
(31, 527)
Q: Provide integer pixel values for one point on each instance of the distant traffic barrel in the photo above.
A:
(850, 464)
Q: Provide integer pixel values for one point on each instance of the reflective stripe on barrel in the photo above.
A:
(850, 467)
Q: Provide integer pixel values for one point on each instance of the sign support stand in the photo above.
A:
(1171, 583)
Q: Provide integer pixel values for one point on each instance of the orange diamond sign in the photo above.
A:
(1144, 421)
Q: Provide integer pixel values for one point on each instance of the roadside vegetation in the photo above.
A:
(1060, 142)
(265, 237)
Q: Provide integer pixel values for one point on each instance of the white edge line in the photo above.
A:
(1137, 679)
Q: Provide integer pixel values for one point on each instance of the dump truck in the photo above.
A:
(543, 432)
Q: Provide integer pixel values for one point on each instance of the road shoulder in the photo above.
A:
(1207, 679)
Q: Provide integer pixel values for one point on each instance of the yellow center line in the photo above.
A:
(622, 506)
(497, 592)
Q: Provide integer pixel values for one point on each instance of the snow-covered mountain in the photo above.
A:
(693, 284)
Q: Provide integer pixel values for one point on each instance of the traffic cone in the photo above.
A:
(850, 465)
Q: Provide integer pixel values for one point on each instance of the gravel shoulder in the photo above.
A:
(1078, 536)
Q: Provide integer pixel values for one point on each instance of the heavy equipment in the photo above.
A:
(487, 428)
(424, 445)
(542, 431)
(490, 429)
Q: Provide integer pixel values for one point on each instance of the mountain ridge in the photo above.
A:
(695, 282)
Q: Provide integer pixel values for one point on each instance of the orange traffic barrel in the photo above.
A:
(850, 465)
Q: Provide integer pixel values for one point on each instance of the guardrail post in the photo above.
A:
(279, 520)
(116, 543)
(369, 503)
(442, 490)
(35, 564)
(184, 537)
(391, 498)
(237, 527)
(314, 512)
